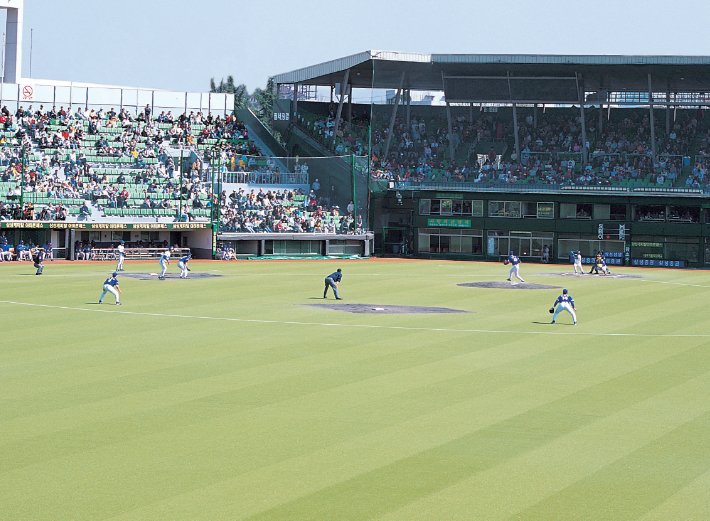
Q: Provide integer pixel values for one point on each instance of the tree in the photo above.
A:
(241, 94)
(241, 97)
(264, 99)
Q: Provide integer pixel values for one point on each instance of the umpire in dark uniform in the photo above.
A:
(333, 280)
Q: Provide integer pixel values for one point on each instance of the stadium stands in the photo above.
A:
(551, 147)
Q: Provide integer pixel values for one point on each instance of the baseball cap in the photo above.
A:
(564, 291)
(116, 275)
(121, 242)
(339, 270)
(511, 252)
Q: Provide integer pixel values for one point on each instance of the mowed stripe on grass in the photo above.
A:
(151, 417)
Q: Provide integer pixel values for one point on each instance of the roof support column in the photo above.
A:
(343, 90)
(515, 130)
(470, 113)
(451, 132)
(535, 116)
(409, 101)
(350, 106)
(580, 96)
(668, 110)
(601, 116)
(394, 115)
(653, 130)
(294, 116)
(515, 119)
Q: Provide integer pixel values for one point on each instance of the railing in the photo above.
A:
(526, 187)
(266, 178)
(133, 253)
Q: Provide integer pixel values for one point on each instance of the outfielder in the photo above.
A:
(566, 302)
(111, 286)
(333, 280)
(164, 263)
(578, 263)
(182, 264)
(121, 256)
(515, 270)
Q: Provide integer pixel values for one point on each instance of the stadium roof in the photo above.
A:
(463, 75)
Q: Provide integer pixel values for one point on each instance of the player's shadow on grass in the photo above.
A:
(315, 298)
(551, 324)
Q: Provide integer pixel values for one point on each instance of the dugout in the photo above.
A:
(198, 237)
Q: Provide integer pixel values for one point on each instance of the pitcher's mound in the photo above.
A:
(496, 284)
(384, 309)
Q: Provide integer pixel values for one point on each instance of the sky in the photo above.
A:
(178, 45)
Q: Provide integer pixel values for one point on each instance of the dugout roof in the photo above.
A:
(520, 78)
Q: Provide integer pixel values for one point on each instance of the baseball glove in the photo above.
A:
(505, 261)
(552, 310)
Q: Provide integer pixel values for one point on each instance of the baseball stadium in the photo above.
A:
(414, 287)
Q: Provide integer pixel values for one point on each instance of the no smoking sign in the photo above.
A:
(28, 93)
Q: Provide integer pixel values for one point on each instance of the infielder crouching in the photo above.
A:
(111, 286)
(164, 263)
(182, 264)
(566, 302)
(332, 281)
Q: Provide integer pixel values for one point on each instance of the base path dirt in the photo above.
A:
(586, 274)
(497, 284)
(383, 309)
(150, 276)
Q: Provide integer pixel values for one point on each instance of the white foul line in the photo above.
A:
(369, 326)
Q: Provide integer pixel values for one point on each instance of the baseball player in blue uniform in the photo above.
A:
(333, 280)
(566, 302)
(121, 256)
(22, 252)
(5, 253)
(164, 262)
(48, 251)
(111, 286)
(182, 264)
(515, 270)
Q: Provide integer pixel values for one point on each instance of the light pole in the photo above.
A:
(182, 166)
(22, 182)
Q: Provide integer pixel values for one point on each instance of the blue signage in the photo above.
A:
(610, 261)
(659, 263)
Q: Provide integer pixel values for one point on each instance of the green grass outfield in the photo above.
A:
(227, 398)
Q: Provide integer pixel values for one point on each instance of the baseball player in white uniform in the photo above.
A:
(566, 302)
(111, 286)
(515, 270)
(164, 262)
(121, 256)
(578, 263)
